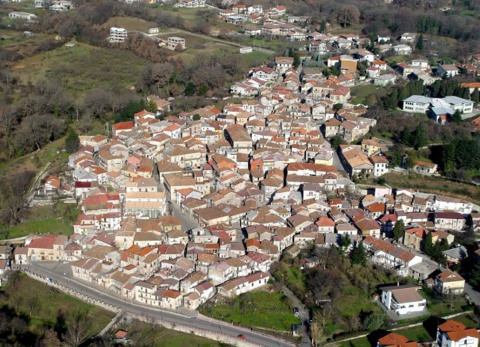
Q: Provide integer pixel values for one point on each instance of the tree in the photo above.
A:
(476, 96)
(475, 274)
(373, 321)
(358, 255)
(419, 137)
(428, 244)
(345, 241)
(336, 141)
(196, 117)
(347, 15)
(72, 142)
(398, 230)
(457, 117)
(189, 89)
(391, 101)
(323, 26)
(419, 44)
(78, 326)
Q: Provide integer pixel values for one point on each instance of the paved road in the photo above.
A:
(303, 315)
(338, 164)
(61, 274)
(473, 294)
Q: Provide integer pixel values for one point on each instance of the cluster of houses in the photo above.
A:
(449, 334)
(255, 185)
(310, 95)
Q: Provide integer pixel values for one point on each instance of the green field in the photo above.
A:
(360, 93)
(43, 305)
(44, 226)
(200, 45)
(82, 68)
(256, 58)
(257, 309)
(129, 23)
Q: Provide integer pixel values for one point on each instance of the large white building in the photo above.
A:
(421, 104)
(117, 34)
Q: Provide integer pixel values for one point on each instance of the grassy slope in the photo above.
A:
(130, 23)
(48, 305)
(360, 93)
(435, 185)
(266, 310)
(82, 67)
(44, 226)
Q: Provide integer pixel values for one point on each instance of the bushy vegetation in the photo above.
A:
(31, 311)
(338, 290)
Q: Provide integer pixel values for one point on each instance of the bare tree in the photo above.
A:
(78, 326)
(347, 15)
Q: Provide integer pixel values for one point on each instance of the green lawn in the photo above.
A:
(256, 58)
(258, 309)
(43, 305)
(354, 301)
(43, 226)
(360, 93)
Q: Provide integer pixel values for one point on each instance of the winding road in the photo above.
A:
(61, 274)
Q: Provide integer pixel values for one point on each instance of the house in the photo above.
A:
(283, 63)
(448, 70)
(456, 334)
(395, 340)
(424, 168)
(176, 43)
(449, 282)
(117, 35)
(384, 80)
(449, 220)
(22, 15)
(402, 49)
(455, 255)
(403, 299)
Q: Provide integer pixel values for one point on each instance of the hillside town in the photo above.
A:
(176, 210)
(181, 208)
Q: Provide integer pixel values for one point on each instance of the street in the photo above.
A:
(303, 315)
(61, 273)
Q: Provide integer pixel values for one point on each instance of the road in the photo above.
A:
(303, 315)
(472, 294)
(61, 273)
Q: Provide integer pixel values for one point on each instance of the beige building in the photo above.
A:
(449, 282)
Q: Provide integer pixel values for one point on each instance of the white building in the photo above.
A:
(117, 34)
(402, 49)
(421, 104)
(174, 43)
(447, 70)
(403, 299)
(22, 15)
